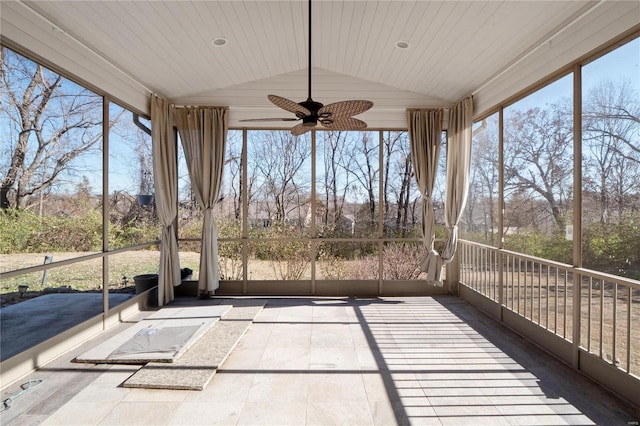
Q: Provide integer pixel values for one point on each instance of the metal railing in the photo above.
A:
(607, 320)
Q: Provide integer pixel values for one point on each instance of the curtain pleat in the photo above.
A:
(203, 132)
(425, 134)
(166, 195)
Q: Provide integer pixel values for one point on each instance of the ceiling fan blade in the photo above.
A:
(346, 123)
(288, 105)
(269, 119)
(300, 129)
(344, 109)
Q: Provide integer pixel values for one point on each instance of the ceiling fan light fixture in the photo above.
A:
(309, 121)
(219, 41)
(402, 44)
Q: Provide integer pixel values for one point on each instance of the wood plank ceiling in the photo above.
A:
(454, 47)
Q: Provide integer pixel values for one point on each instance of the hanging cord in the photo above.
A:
(25, 387)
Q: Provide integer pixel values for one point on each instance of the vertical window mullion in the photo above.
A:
(105, 206)
(380, 213)
(577, 211)
(245, 213)
(313, 236)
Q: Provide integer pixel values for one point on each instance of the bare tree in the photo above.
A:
(145, 162)
(363, 166)
(390, 145)
(611, 132)
(613, 110)
(483, 194)
(233, 168)
(538, 157)
(336, 180)
(48, 123)
(399, 182)
(278, 157)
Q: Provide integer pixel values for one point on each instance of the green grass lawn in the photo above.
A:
(87, 275)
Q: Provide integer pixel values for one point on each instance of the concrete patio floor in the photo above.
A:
(382, 361)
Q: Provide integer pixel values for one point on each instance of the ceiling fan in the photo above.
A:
(335, 116)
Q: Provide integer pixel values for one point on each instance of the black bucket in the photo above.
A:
(145, 199)
(145, 282)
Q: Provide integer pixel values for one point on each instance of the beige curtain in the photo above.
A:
(165, 172)
(425, 135)
(425, 130)
(203, 132)
(459, 136)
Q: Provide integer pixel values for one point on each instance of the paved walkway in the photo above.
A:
(432, 361)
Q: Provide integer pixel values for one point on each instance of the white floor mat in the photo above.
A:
(175, 330)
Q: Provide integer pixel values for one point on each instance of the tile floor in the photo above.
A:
(422, 361)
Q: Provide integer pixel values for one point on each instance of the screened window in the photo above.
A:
(538, 173)
(50, 169)
(611, 162)
(480, 220)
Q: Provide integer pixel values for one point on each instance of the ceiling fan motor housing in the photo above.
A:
(309, 121)
(312, 119)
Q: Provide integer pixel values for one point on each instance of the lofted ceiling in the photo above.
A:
(455, 47)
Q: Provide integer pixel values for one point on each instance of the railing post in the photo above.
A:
(577, 286)
(453, 273)
(500, 281)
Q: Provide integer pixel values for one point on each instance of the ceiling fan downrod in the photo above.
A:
(309, 67)
(334, 116)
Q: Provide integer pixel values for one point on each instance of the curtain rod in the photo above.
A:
(201, 106)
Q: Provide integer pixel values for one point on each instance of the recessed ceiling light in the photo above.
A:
(220, 41)
(402, 44)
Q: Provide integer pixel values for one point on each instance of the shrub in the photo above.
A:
(347, 250)
(332, 267)
(230, 260)
(25, 232)
(288, 259)
(553, 247)
(131, 233)
(402, 261)
(367, 268)
(74, 233)
(613, 248)
(16, 227)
